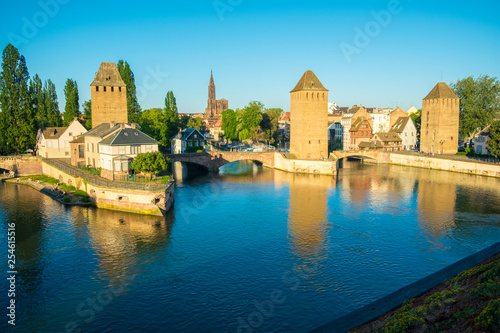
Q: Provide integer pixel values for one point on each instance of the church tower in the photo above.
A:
(440, 121)
(108, 96)
(309, 118)
(214, 106)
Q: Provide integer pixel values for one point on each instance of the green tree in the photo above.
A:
(87, 114)
(133, 107)
(51, 104)
(249, 120)
(151, 121)
(229, 124)
(37, 97)
(17, 121)
(150, 163)
(269, 123)
(493, 143)
(170, 125)
(183, 122)
(479, 102)
(72, 108)
(195, 123)
(417, 121)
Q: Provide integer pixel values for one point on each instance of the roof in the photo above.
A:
(371, 144)
(357, 124)
(79, 139)
(399, 125)
(285, 116)
(441, 90)
(309, 81)
(185, 134)
(108, 75)
(52, 133)
(102, 130)
(128, 136)
(485, 131)
(388, 137)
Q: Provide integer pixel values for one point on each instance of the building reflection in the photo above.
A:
(120, 239)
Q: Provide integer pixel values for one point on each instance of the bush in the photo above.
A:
(67, 188)
(66, 199)
(470, 151)
(80, 193)
(93, 171)
(461, 153)
(165, 179)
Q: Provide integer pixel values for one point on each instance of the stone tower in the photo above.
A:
(440, 120)
(214, 106)
(109, 96)
(309, 118)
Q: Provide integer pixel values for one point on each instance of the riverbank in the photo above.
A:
(67, 198)
(469, 302)
(463, 297)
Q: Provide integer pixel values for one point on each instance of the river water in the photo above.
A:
(246, 250)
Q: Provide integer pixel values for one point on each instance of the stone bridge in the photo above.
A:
(22, 164)
(212, 161)
(378, 155)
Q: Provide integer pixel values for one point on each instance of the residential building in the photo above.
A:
(412, 110)
(186, 141)
(480, 140)
(118, 149)
(380, 122)
(54, 142)
(440, 120)
(214, 106)
(284, 126)
(386, 111)
(214, 127)
(309, 118)
(77, 151)
(348, 118)
(95, 136)
(395, 115)
(407, 131)
(335, 133)
(389, 141)
(108, 93)
(361, 131)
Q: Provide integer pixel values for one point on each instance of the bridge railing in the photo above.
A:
(99, 181)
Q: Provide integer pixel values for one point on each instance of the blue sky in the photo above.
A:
(257, 49)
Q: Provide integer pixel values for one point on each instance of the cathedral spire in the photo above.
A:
(212, 78)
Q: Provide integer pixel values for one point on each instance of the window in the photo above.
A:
(104, 88)
(112, 89)
(309, 141)
(149, 148)
(66, 144)
(88, 146)
(121, 150)
(120, 89)
(49, 144)
(406, 134)
(66, 153)
(135, 149)
(124, 165)
(195, 136)
(96, 88)
(70, 134)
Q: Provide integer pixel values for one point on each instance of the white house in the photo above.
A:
(380, 122)
(53, 142)
(407, 131)
(119, 149)
(480, 140)
(188, 140)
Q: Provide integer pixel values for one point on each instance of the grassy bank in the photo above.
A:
(469, 302)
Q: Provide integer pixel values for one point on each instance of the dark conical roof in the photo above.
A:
(441, 90)
(212, 79)
(309, 81)
(108, 75)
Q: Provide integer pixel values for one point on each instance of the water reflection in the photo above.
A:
(120, 239)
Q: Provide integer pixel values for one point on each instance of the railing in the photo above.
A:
(99, 181)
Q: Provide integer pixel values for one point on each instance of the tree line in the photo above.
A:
(253, 122)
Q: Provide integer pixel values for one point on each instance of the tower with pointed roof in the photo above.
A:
(309, 118)
(108, 96)
(214, 106)
(440, 120)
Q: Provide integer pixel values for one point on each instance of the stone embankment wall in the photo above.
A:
(304, 166)
(437, 163)
(22, 166)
